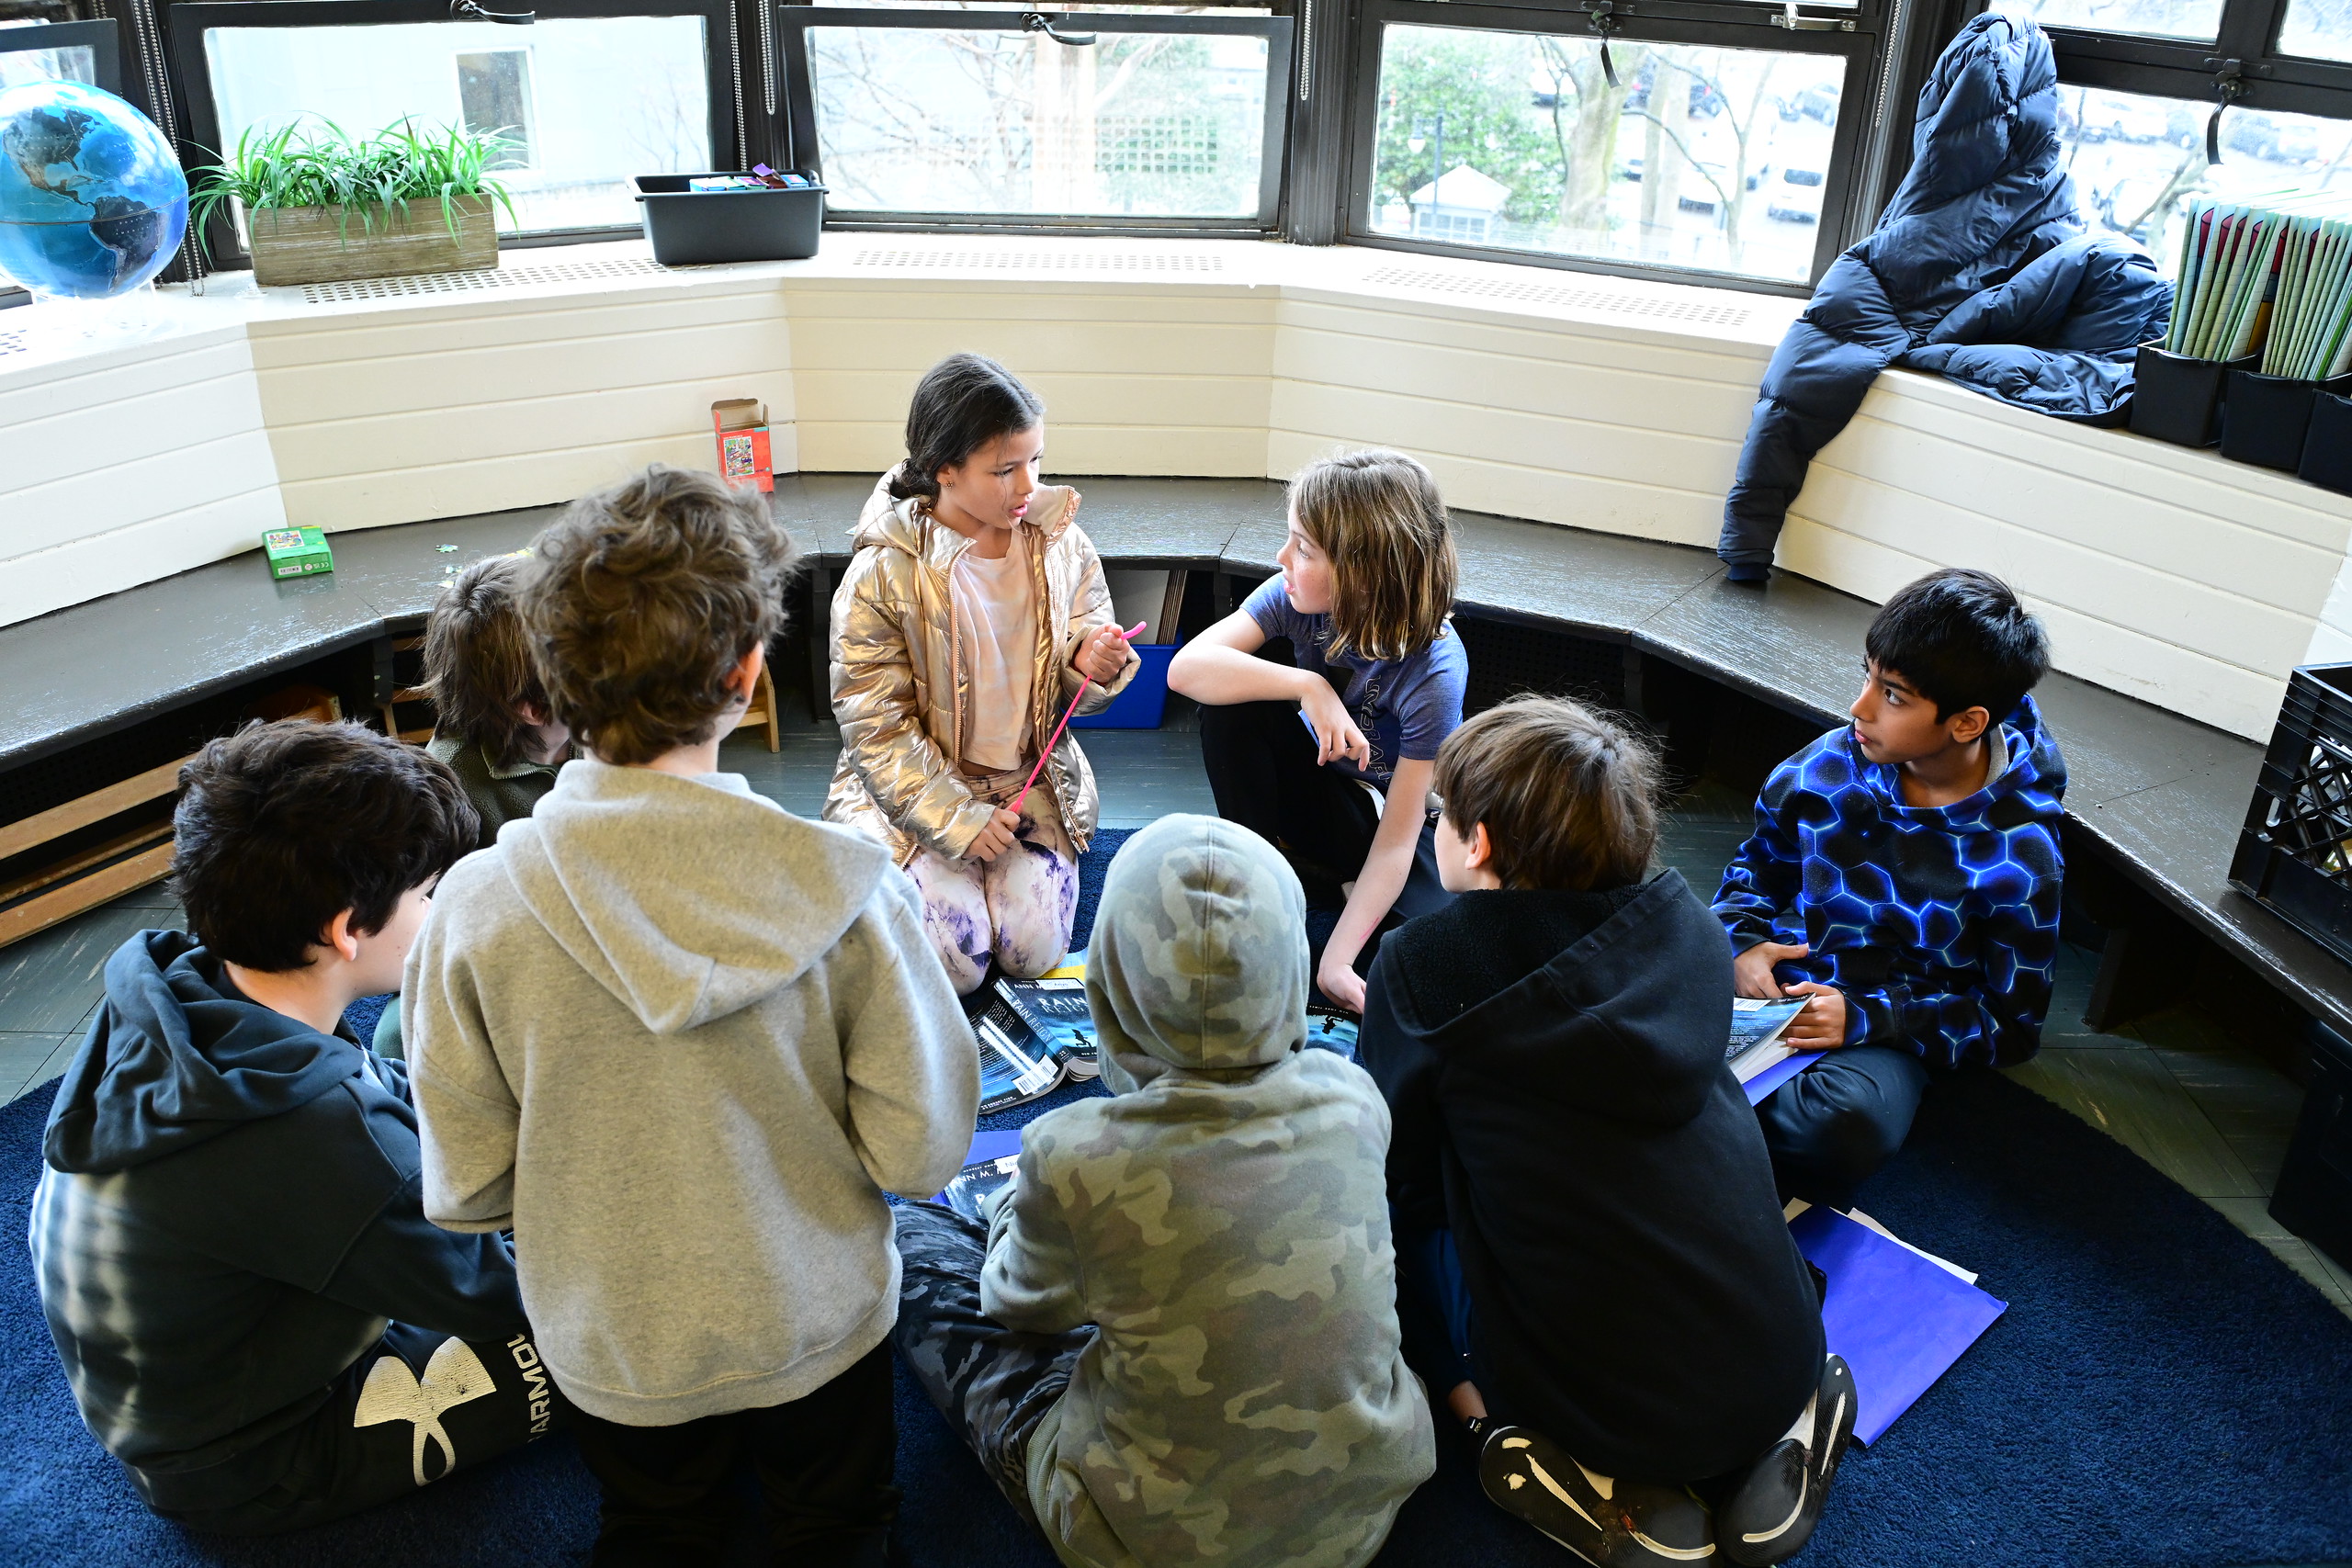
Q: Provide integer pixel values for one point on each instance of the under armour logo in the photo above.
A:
(392, 1393)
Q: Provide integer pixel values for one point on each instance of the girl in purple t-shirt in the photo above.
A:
(1377, 673)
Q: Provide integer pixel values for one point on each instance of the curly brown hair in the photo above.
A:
(478, 660)
(1569, 799)
(642, 600)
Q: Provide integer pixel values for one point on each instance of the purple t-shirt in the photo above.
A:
(1406, 707)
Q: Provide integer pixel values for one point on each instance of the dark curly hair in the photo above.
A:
(961, 404)
(477, 662)
(281, 827)
(642, 599)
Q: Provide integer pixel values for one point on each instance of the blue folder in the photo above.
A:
(1899, 1320)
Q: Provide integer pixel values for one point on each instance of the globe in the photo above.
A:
(92, 199)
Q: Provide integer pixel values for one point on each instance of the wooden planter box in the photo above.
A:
(325, 245)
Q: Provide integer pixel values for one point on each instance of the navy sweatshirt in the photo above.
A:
(1554, 1064)
(229, 1217)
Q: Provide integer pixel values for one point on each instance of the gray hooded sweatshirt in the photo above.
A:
(1224, 1218)
(683, 1040)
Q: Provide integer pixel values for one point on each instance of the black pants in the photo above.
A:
(1832, 1126)
(822, 1463)
(1261, 767)
(413, 1408)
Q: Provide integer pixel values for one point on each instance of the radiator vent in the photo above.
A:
(475, 282)
(1045, 261)
(1639, 307)
(12, 343)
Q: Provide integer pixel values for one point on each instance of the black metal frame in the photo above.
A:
(103, 38)
(2244, 50)
(803, 147)
(1850, 34)
(187, 21)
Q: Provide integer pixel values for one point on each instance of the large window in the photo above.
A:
(1012, 118)
(1663, 147)
(585, 102)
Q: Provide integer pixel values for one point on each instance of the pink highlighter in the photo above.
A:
(1128, 635)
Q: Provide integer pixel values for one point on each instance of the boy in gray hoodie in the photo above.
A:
(683, 1041)
(1177, 1340)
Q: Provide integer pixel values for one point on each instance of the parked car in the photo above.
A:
(1817, 102)
(1795, 196)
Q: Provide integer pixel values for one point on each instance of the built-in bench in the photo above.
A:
(106, 690)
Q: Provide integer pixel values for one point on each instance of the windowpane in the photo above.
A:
(2318, 28)
(593, 102)
(1711, 158)
(1145, 125)
(2150, 18)
(2136, 159)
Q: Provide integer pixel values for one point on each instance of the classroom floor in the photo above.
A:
(2174, 1089)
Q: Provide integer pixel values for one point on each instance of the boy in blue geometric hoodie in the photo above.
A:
(1905, 871)
(253, 1311)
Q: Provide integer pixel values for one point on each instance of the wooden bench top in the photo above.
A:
(2163, 794)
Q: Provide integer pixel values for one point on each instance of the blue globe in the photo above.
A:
(92, 199)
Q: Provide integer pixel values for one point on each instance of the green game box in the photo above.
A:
(297, 552)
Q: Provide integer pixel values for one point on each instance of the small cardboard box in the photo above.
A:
(297, 552)
(741, 427)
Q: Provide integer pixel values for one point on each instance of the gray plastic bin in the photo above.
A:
(694, 228)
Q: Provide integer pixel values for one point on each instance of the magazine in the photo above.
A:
(1331, 1032)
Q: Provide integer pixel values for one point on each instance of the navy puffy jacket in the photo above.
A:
(1979, 269)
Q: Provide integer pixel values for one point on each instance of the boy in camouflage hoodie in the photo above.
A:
(1177, 1339)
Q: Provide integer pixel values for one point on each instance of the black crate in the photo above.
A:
(2295, 853)
(2313, 1197)
(692, 227)
(2266, 418)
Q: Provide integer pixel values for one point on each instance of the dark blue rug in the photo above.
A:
(2160, 1391)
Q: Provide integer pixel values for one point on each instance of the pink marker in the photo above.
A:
(1128, 635)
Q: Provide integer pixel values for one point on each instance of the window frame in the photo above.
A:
(1854, 35)
(2190, 68)
(186, 22)
(803, 147)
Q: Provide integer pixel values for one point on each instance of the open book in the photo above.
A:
(1759, 1058)
(1014, 1069)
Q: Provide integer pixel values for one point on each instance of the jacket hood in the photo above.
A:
(2030, 783)
(1199, 957)
(1629, 1021)
(688, 899)
(177, 1057)
(904, 526)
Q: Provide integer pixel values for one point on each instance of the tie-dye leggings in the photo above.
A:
(1016, 909)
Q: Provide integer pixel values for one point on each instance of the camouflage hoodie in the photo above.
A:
(1224, 1219)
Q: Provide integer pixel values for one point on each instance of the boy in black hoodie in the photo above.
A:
(253, 1314)
(1593, 1273)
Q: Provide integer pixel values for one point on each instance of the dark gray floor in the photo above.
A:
(2174, 1089)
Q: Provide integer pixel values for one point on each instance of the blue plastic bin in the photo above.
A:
(1145, 701)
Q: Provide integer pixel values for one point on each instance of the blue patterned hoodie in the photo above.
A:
(1939, 924)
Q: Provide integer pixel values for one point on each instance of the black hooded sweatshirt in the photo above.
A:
(1554, 1063)
(230, 1216)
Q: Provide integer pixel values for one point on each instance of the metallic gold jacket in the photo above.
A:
(902, 686)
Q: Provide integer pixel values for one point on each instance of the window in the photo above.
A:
(1720, 150)
(1095, 119)
(2148, 18)
(585, 102)
(2319, 29)
(59, 52)
(1708, 158)
(494, 99)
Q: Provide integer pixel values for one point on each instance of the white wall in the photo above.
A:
(1608, 404)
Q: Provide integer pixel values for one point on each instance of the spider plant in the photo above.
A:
(297, 166)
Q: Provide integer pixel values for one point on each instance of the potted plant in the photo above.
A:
(323, 206)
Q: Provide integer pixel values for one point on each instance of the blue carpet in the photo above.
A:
(2161, 1391)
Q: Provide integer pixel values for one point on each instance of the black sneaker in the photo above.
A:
(1612, 1523)
(1771, 1516)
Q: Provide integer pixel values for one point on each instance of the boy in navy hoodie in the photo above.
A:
(253, 1311)
(1905, 871)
